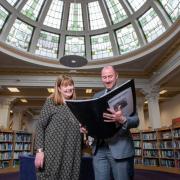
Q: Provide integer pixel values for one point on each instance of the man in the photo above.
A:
(116, 154)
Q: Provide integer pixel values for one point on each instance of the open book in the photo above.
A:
(90, 112)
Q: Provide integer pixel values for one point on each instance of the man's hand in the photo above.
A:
(83, 129)
(114, 116)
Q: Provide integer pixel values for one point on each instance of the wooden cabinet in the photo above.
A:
(158, 149)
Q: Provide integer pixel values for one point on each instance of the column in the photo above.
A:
(5, 106)
(17, 118)
(140, 109)
(152, 96)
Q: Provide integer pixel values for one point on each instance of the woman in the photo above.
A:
(58, 139)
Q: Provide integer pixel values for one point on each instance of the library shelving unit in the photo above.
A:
(176, 145)
(166, 149)
(12, 144)
(158, 149)
(149, 148)
(22, 145)
(138, 147)
(6, 148)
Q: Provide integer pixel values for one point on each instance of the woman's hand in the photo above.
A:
(39, 160)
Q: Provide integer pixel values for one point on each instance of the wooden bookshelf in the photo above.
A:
(22, 145)
(158, 149)
(12, 144)
(6, 148)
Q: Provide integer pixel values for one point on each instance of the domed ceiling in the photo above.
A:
(97, 30)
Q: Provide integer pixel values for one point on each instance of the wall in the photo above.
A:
(170, 110)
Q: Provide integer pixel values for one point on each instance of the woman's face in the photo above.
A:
(66, 91)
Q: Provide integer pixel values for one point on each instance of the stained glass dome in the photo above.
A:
(96, 29)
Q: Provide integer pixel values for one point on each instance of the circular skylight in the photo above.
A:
(97, 30)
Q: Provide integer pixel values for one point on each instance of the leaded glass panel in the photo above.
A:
(32, 9)
(136, 4)
(12, 2)
(95, 16)
(47, 44)
(127, 39)
(20, 35)
(54, 15)
(75, 46)
(75, 21)
(117, 13)
(3, 16)
(172, 7)
(151, 25)
(101, 46)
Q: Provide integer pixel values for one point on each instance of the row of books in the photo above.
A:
(6, 137)
(155, 145)
(166, 135)
(17, 154)
(150, 153)
(5, 155)
(138, 152)
(22, 146)
(153, 135)
(4, 164)
(149, 136)
(6, 146)
(137, 144)
(23, 138)
(176, 133)
(167, 154)
(149, 145)
(151, 162)
(167, 163)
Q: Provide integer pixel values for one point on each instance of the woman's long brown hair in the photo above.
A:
(62, 80)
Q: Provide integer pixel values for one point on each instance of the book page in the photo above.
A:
(124, 99)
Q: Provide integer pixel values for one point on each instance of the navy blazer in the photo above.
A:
(121, 144)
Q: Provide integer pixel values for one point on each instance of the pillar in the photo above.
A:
(152, 96)
(5, 106)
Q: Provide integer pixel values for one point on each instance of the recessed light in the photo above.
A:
(88, 91)
(13, 89)
(146, 102)
(24, 100)
(50, 90)
(163, 91)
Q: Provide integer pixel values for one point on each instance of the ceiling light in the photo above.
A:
(50, 90)
(163, 91)
(73, 61)
(13, 89)
(146, 102)
(24, 100)
(88, 91)
(11, 111)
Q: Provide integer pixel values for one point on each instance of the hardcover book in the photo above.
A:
(90, 112)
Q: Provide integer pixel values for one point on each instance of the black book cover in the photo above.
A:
(90, 112)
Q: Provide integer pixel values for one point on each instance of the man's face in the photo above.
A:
(109, 77)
